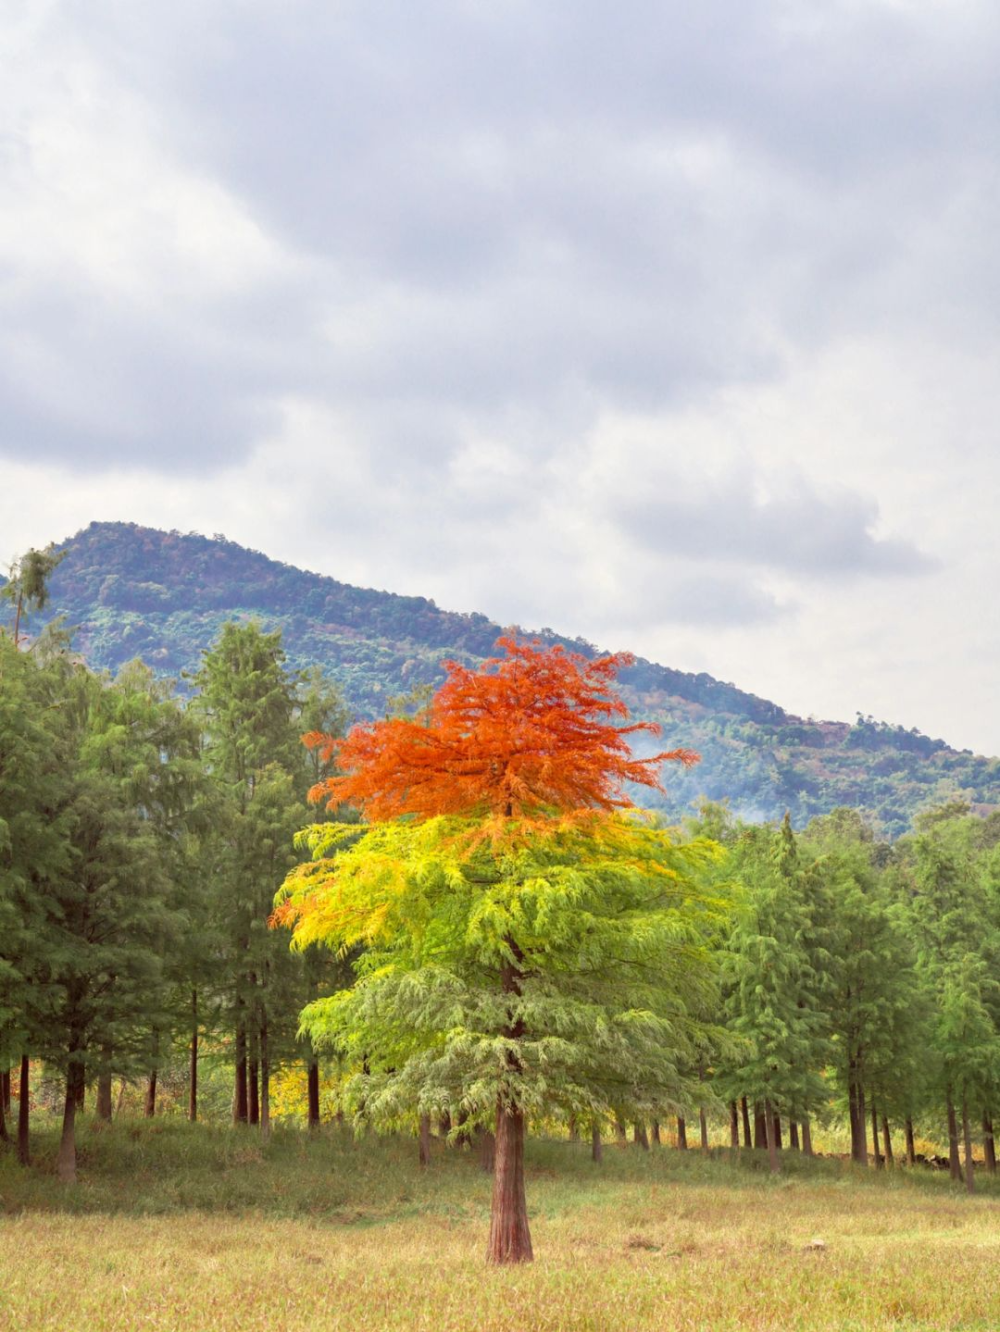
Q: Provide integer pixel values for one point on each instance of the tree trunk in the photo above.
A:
(104, 1095)
(67, 1143)
(621, 1133)
(510, 1239)
(703, 1124)
(771, 1121)
(425, 1139)
(807, 1138)
(954, 1164)
(573, 1129)
(745, 1111)
(313, 1097)
(240, 1106)
(444, 1125)
(793, 1135)
(989, 1145)
(596, 1149)
(734, 1126)
(890, 1160)
(193, 1061)
(776, 1125)
(23, 1114)
(682, 1137)
(265, 1078)
(911, 1155)
(4, 1135)
(5, 1090)
(81, 1088)
(253, 1086)
(487, 1151)
(970, 1178)
(639, 1136)
(856, 1104)
(759, 1128)
(150, 1108)
(879, 1162)
(656, 1132)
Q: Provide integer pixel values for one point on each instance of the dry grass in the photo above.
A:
(172, 1229)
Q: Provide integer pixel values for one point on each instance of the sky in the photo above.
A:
(672, 326)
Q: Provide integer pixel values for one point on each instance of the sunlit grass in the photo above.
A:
(178, 1228)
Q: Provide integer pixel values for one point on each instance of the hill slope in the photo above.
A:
(133, 591)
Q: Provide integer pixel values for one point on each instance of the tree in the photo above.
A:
(28, 584)
(529, 941)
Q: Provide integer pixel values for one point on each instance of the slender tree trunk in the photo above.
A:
(656, 1132)
(879, 1163)
(104, 1095)
(193, 1061)
(462, 1137)
(745, 1112)
(265, 1077)
(253, 1085)
(770, 1122)
(703, 1125)
(573, 1129)
(682, 1137)
(970, 1178)
(856, 1102)
(150, 1108)
(954, 1164)
(759, 1128)
(911, 1154)
(989, 1145)
(596, 1149)
(776, 1125)
(313, 1097)
(67, 1143)
(425, 1141)
(487, 1151)
(4, 1135)
(241, 1111)
(807, 1139)
(621, 1133)
(510, 1239)
(23, 1114)
(734, 1126)
(5, 1090)
(890, 1160)
(81, 1088)
(639, 1136)
(793, 1135)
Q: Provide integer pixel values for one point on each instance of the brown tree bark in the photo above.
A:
(703, 1125)
(890, 1160)
(911, 1154)
(970, 1178)
(193, 1061)
(510, 1239)
(656, 1132)
(989, 1145)
(776, 1125)
(150, 1106)
(596, 1148)
(5, 1090)
(425, 1140)
(734, 1126)
(759, 1128)
(770, 1122)
(745, 1112)
(682, 1137)
(241, 1111)
(253, 1087)
(621, 1132)
(639, 1136)
(81, 1088)
(23, 1114)
(66, 1161)
(4, 1135)
(856, 1106)
(807, 1138)
(573, 1129)
(103, 1106)
(313, 1096)
(879, 1162)
(954, 1163)
(793, 1135)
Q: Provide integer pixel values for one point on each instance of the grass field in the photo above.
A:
(173, 1227)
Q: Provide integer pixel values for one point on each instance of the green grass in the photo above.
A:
(174, 1227)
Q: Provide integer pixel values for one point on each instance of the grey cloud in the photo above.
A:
(797, 532)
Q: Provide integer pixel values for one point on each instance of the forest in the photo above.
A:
(452, 929)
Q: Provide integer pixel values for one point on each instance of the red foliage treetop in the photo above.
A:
(528, 732)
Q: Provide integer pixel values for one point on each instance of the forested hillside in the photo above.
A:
(131, 591)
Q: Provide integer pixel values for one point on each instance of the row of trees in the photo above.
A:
(502, 939)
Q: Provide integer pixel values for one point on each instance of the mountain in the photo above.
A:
(133, 591)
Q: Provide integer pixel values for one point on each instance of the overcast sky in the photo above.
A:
(673, 326)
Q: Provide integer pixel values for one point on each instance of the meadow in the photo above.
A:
(176, 1227)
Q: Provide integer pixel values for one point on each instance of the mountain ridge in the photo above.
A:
(137, 591)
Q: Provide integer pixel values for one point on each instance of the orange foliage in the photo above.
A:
(531, 731)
